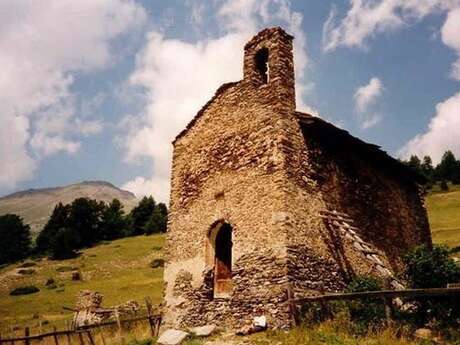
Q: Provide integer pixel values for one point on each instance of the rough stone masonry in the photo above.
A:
(251, 178)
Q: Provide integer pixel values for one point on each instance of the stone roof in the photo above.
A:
(339, 139)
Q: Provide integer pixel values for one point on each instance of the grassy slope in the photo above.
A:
(119, 270)
(444, 213)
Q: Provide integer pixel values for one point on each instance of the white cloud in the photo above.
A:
(180, 77)
(442, 133)
(42, 45)
(450, 34)
(366, 98)
(367, 95)
(366, 18)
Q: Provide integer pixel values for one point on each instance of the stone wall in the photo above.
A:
(260, 281)
(387, 208)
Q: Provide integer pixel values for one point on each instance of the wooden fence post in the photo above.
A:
(26, 334)
(101, 332)
(120, 335)
(80, 337)
(325, 311)
(56, 341)
(148, 304)
(90, 337)
(388, 303)
(69, 341)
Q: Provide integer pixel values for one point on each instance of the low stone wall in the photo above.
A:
(259, 288)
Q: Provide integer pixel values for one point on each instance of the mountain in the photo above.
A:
(36, 205)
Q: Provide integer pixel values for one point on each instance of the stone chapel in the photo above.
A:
(266, 200)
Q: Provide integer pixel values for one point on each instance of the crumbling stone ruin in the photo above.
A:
(266, 200)
(89, 310)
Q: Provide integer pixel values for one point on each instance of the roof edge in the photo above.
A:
(220, 90)
(308, 119)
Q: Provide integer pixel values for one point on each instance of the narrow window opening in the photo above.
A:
(261, 64)
(223, 261)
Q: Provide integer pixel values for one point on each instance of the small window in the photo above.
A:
(261, 64)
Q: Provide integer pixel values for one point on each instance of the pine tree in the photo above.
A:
(58, 219)
(447, 169)
(113, 222)
(15, 239)
(141, 214)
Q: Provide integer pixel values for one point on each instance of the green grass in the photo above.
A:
(444, 214)
(336, 332)
(120, 270)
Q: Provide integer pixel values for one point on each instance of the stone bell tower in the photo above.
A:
(269, 63)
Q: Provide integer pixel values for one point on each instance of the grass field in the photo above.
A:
(444, 214)
(119, 270)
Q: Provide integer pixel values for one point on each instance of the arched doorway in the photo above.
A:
(223, 260)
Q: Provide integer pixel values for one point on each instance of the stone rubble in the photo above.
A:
(172, 337)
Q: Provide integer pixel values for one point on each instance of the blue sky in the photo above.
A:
(96, 90)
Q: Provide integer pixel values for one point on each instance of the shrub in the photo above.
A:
(443, 185)
(50, 281)
(157, 263)
(24, 290)
(66, 269)
(27, 264)
(27, 271)
(366, 311)
(427, 268)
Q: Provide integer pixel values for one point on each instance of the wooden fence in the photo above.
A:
(385, 295)
(154, 321)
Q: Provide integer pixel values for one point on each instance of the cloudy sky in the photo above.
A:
(97, 89)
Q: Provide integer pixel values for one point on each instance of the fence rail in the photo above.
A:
(380, 294)
(154, 322)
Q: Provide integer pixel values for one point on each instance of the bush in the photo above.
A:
(66, 269)
(24, 290)
(50, 284)
(434, 268)
(427, 268)
(27, 264)
(443, 185)
(157, 263)
(50, 281)
(366, 311)
(27, 271)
